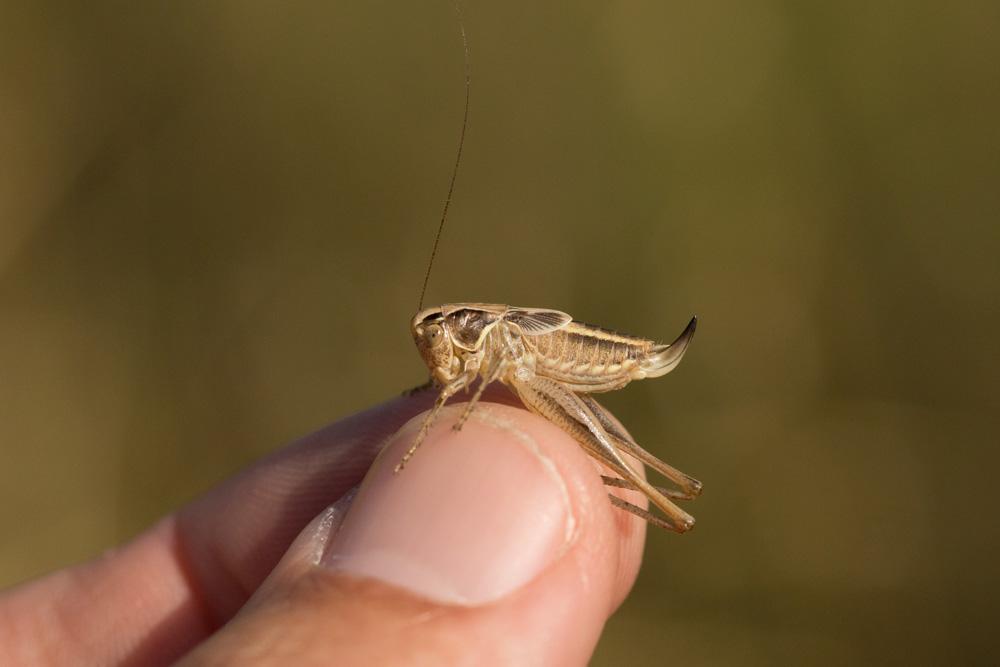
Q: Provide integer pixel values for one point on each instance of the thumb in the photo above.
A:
(496, 545)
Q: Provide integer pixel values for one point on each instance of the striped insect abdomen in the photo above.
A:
(584, 354)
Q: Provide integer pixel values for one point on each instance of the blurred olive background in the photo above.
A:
(215, 217)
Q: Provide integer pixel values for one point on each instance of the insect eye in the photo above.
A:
(433, 333)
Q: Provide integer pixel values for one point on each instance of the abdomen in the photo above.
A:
(588, 355)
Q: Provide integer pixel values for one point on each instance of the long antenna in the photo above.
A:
(458, 157)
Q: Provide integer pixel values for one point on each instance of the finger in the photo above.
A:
(152, 599)
(234, 535)
(496, 545)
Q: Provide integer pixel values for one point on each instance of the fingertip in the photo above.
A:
(475, 514)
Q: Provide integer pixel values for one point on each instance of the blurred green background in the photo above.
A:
(215, 216)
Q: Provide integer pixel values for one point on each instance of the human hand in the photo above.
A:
(496, 545)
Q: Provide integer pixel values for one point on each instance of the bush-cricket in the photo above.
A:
(553, 364)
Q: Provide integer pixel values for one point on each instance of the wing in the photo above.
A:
(537, 321)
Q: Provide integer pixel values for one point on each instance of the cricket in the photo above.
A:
(553, 364)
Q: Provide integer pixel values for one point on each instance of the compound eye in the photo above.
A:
(433, 334)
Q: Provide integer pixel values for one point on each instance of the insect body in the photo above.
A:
(554, 364)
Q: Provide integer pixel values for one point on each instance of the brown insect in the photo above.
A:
(553, 364)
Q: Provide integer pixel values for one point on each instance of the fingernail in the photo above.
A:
(474, 516)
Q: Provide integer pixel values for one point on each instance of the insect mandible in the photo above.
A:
(553, 364)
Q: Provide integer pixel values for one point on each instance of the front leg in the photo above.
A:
(494, 375)
(447, 392)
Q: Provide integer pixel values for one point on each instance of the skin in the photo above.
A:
(233, 578)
